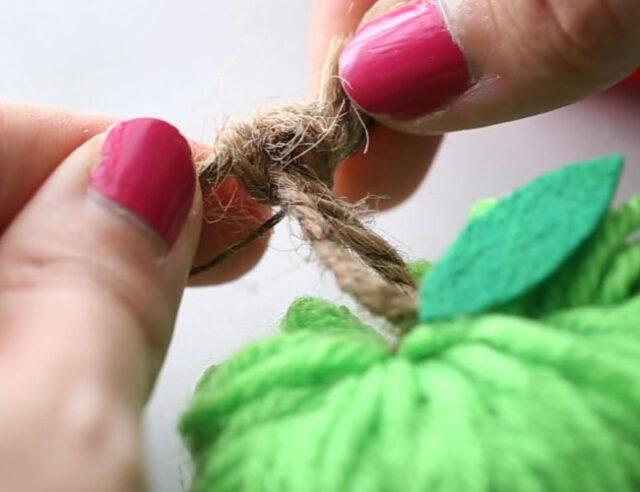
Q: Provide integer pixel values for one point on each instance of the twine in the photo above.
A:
(286, 158)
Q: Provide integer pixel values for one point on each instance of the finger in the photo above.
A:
(391, 170)
(396, 162)
(230, 217)
(427, 67)
(91, 276)
(35, 139)
(331, 19)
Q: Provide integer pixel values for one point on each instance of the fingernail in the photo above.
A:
(146, 167)
(404, 64)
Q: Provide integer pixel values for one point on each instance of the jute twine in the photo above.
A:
(285, 158)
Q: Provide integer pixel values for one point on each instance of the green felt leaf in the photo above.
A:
(519, 242)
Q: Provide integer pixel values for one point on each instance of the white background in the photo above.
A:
(194, 62)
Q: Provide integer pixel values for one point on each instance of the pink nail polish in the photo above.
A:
(404, 64)
(146, 167)
(634, 78)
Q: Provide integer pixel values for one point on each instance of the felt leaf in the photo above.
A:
(519, 242)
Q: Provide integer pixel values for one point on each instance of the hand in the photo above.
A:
(95, 250)
(34, 140)
(423, 68)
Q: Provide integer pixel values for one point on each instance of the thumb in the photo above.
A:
(91, 275)
(429, 67)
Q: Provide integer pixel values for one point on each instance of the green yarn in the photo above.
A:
(541, 394)
(515, 244)
(309, 314)
(420, 269)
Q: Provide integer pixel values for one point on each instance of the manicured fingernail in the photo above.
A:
(404, 64)
(146, 167)
(634, 78)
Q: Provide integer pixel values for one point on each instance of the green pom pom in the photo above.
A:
(519, 242)
(490, 403)
(493, 404)
(482, 206)
(420, 269)
(310, 314)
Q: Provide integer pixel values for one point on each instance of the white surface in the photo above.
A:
(193, 62)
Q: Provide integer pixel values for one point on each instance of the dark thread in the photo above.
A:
(226, 254)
